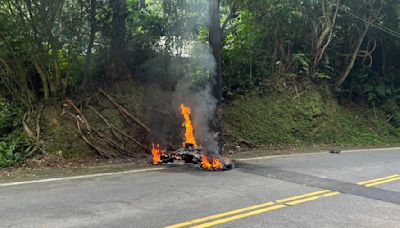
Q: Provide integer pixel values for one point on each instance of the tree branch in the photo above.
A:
(124, 111)
(232, 14)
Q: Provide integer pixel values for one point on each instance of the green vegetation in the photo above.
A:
(13, 145)
(293, 72)
(8, 118)
(13, 149)
(281, 120)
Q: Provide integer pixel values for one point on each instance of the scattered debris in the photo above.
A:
(333, 151)
(191, 155)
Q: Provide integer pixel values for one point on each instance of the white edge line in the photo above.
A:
(316, 153)
(163, 168)
(81, 177)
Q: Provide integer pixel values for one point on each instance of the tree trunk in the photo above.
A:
(216, 76)
(118, 67)
(45, 80)
(58, 74)
(326, 35)
(93, 25)
(354, 56)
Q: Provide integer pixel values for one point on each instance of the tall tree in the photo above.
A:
(329, 14)
(371, 13)
(118, 67)
(93, 25)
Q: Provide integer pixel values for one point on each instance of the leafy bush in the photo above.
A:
(12, 149)
(8, 118)
(13, 145)
(369, 85)
(392, 109)
(302, 63)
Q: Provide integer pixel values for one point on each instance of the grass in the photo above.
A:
(281, 120)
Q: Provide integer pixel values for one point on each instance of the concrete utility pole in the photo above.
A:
(216, 76)
(215, 43)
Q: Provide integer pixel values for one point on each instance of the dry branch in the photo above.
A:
(113, 144)
(86, 132)
(124, 112)
(33, 134)
(117, 131)
(38, 124)
(99, 150)
(25, 126)
(109, 125)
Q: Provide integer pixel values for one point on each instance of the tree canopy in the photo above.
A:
(53, 49)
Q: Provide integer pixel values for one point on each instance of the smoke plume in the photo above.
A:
(181, 74)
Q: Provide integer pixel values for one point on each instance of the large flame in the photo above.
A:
(189, 134)
(157, 153)
(211, 162)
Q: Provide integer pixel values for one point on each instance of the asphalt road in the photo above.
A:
(357, 189)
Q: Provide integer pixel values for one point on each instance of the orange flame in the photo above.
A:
(215, 164)
(189, 134)
(205, 164)
(157, 153)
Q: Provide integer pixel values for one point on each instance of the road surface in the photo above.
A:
(352, 189)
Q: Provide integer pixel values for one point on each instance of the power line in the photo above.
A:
(352, 13)
(380, 27)
(383, 28)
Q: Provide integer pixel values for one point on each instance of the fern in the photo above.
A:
(303, 62)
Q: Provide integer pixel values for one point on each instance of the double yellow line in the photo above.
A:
(273, 205)
(379, 181)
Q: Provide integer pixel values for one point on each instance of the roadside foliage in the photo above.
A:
(310, 71)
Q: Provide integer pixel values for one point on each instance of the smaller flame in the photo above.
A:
(205, 164)
(157, 153)
(217, 164)
(214, 164)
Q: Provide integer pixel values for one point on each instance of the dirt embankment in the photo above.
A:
(258, 124)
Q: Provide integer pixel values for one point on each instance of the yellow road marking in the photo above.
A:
(378, 179)
(382, 182)
(195, 221)
(331, 194)
(295, 202)
(270, 206)
(264, 210)
(240, 216)
(302, 196)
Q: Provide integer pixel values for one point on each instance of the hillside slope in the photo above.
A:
(281, 120)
